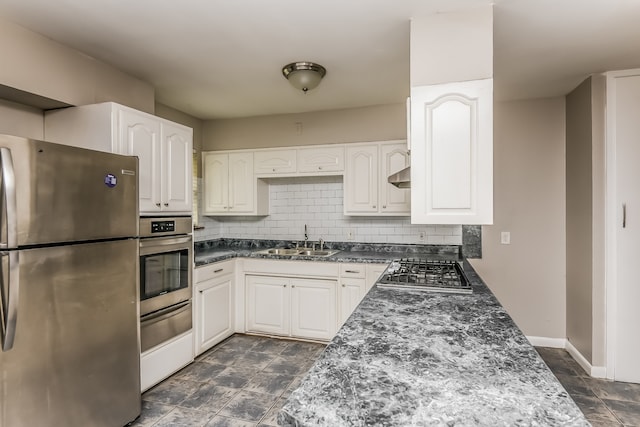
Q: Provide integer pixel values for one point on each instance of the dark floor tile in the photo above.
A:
(594, 408)
(268, 383)
(288, 367)
(184, 418)
(241, 342)
(233, 377)
(248, 406)
(210, 398)
(254, 360)
(220, 421)
(171, 391)
(151, 412)
(200, 371)
(627, 412)
(271, 418)
(302, 350)
(575, 385)
(616, 390)
(273, 346)
(223, 356)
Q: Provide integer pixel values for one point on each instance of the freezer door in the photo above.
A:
(65, 194)
(75, 359)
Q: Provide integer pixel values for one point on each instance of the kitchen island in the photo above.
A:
(412, 358)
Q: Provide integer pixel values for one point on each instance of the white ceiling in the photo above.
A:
(223, 58)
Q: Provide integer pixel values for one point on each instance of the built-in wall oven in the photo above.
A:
(166, 258)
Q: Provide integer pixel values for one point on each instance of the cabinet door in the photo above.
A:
(321, 160)
(140, 136)
(313, 308)
(361, 180)
(213, 311)
(242, 183)
(275, 162)
(177, 168)
(452, 153)
(268, 304)
(351, 293)
(374, 271)
(393, 200)
(215, 174)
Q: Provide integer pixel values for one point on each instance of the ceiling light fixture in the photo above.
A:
(304, 75)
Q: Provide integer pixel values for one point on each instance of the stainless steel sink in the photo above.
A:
(299, 252)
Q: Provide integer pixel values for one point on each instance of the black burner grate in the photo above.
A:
(433, 275)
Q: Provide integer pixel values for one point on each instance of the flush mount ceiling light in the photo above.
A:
(304, 75)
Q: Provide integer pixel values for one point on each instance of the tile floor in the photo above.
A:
(604, 403)
(241, 382)
(244, 381)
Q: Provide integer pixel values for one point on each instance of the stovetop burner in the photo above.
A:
(427, 275)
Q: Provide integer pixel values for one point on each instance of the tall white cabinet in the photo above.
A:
(164, 149)
(452, 153)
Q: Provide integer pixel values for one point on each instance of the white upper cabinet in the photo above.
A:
(164, 149)
(452, 153)
(274, 162)
(321, 159)
(366, 189)
(230, 187)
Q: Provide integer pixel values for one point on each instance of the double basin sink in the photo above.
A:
(297, 252)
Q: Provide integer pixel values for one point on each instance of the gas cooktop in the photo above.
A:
(426, 275)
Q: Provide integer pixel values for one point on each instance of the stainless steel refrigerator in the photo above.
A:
(69, 298)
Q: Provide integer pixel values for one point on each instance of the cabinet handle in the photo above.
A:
(284, 286)
(218, 270)
(624, 215)
(342, 286)
(374, 206)
(352, 271)
(384, 206)
(166, 204)
(274, 169)
(158, 204)
(293, 286)
(319, 168)
(201, 291)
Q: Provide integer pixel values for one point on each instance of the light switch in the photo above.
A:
(505, 238)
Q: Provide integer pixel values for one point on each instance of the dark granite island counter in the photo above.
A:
(411, 358)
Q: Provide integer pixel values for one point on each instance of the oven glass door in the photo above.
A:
(164, 272)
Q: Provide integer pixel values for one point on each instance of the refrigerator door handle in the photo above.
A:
(9, 300)
(9, 193)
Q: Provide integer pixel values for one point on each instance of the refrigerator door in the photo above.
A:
(64, 194)
(75, 359)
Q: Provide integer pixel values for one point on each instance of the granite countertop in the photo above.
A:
(220, 250)
(412, 358)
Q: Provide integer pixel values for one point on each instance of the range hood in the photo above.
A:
(402, 178)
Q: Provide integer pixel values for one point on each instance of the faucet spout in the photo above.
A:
(306, 236)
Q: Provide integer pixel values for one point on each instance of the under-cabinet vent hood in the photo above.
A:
(401, 179)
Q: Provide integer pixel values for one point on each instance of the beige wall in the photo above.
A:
(377, 123)
(579, 219)
(21, 120)
(528, 276)
(38, 65)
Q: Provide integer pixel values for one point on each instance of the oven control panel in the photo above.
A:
(163, 226)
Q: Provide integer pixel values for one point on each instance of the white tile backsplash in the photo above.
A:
(317, 202)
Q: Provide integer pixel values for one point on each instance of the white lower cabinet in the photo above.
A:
(373, 273)
(297, 307)
(351, 293)
(214, 304)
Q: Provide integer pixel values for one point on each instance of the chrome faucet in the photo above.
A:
(306, 236)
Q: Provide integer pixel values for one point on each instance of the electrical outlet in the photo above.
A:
(422, 236)
(350, 235)
(505, 238)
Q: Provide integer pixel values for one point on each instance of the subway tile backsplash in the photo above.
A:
(317, 202)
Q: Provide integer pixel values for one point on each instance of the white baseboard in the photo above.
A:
(547, 342)
(594, 371)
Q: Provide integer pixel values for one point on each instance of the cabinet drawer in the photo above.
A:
(321, 160)
(353, 270)
(213, 270)
(274, 162)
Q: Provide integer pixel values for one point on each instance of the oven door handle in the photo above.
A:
(165, 313)
(145, 243)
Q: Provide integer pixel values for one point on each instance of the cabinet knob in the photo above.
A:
(284, 286)
(374, 206)
(218, 270)
(293, 286)
(342, 286)
(274, 169)
(320, 168)
(384, 206)
(166, 204)
(158, 204)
